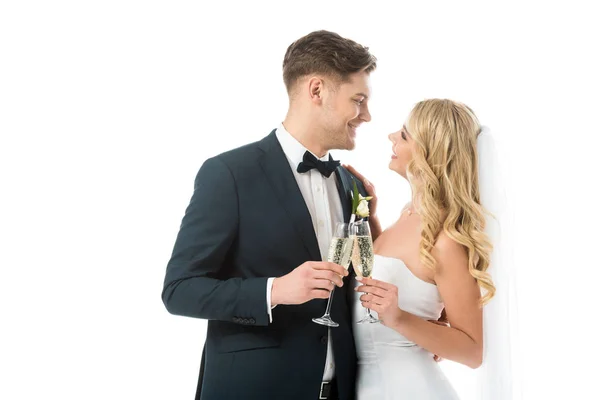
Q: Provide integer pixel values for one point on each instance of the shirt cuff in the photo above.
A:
(269, 307)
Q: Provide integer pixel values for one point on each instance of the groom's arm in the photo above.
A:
(200, 255)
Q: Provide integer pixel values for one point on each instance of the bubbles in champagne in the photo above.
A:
(362, 256)
(339, 251)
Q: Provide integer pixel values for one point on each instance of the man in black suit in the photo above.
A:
(249, 250)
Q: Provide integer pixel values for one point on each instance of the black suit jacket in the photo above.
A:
(247, 221)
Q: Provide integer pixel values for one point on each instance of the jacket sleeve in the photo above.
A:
(208, 231)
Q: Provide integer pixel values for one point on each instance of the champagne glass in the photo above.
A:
(340, 250)
(362, 257)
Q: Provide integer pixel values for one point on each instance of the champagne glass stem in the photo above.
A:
(329, 303)
(326, 318)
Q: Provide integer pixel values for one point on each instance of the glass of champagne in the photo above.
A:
(363, 257)
(340, 250)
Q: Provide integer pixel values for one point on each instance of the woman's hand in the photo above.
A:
(368, 187)
(381, 297)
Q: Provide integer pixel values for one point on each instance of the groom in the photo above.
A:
(249, 250)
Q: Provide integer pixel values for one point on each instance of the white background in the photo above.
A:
(108, 109)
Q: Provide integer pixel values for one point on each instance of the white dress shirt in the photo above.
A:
(323, 202)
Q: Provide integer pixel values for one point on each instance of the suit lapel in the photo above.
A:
(344, 183)
(345, 186)
(343, 193)
(276, 167)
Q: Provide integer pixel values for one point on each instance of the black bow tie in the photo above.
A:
(324, 167)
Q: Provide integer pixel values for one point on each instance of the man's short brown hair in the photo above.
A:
(324, 52)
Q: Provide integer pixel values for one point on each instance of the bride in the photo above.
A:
(434, 258)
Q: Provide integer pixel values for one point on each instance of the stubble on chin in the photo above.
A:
(343, 144)
(349, 145)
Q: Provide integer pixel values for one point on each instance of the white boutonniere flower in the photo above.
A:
(360, 204)
(362, 210)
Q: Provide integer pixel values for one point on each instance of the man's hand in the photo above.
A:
(311, 280)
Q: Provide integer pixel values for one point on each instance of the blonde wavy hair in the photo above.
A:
(445, 183)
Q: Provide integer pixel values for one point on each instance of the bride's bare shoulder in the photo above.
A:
(449, 253)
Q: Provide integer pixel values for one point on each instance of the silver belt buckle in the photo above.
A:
(321, 391)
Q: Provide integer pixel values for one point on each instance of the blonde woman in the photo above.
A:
(433, 258)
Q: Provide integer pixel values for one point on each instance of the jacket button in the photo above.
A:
(324, 339)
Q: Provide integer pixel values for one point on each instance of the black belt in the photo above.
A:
(328, 390)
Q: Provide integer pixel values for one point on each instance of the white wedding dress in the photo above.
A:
(389, 365)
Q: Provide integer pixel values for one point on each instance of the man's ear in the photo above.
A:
(316, 89)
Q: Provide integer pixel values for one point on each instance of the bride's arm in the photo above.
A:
(462, 341)
(375, 227)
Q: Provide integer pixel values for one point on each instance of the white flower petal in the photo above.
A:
(363, 209)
